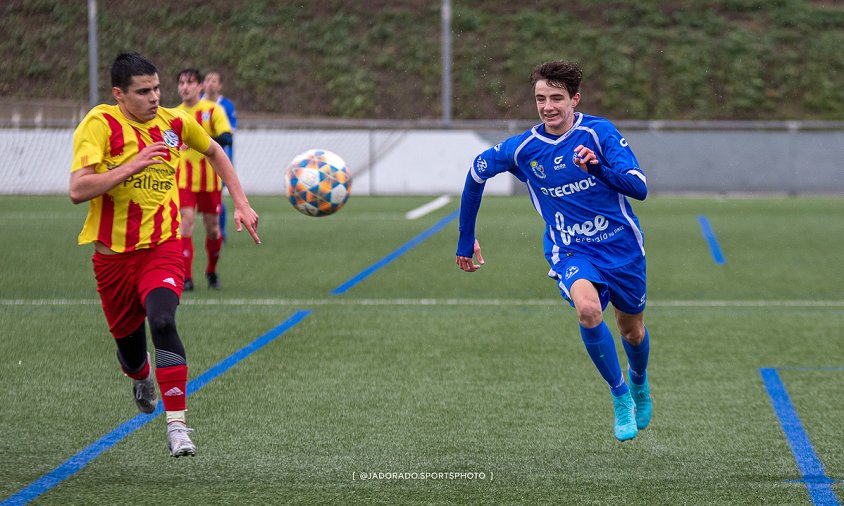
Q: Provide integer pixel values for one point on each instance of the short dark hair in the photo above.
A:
(191, 73)
(559, 73)
(128, 65)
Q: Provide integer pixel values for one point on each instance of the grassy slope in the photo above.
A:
(740, 59)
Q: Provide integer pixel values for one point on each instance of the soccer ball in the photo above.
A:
(318, 182)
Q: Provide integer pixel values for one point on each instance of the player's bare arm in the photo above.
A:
(467, 263)
(244, 215)
(86, 183)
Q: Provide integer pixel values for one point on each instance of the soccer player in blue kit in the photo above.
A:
(579, 171)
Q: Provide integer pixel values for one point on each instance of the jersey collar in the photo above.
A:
(538, 131)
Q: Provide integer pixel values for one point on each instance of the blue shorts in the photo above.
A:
(624, 286)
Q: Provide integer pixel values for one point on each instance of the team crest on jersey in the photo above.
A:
(480, 164)
(539, 170)
(171, 138)
(571, 271)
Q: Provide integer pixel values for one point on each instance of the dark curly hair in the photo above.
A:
(559, 73)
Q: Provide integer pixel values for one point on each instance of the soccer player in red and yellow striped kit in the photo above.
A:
(200, 188)
(125, 158)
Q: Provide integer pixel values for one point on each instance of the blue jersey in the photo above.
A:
(585, 213)
(228, 105)
(231, 114)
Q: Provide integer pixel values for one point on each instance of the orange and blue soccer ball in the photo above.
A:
(318, 182)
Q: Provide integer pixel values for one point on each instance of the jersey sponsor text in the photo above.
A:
(570, 188)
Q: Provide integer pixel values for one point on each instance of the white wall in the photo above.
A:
(435, 161)
(382, 162)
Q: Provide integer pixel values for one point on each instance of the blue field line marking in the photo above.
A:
(709, 235)
(228, 362)
(395, 254)
(811, 468)
(77, 462)
(805, 369)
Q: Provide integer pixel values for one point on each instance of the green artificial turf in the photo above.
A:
(440, 386)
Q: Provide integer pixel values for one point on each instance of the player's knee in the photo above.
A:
(162, 324)
(589, 313)
(634, 335)
(212, 225)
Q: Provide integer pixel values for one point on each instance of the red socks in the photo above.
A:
(212, 247)
(173, 381)
(140, 374)
(187, 251)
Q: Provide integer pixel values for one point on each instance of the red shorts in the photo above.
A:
(204, 202)
(124, 280)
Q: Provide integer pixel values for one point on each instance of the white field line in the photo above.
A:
(437, 302)
(428, 208)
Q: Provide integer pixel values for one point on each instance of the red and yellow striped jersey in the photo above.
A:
(195, 173)
(142, 211)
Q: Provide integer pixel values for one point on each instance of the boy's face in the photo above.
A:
(555, 107)
(212, 84)
(189, 88)
(141, 99)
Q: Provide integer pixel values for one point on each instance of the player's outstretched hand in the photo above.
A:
(467, 264)
(247, 217)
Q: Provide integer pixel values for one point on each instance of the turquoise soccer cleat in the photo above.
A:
(625, 417)
(642, 397)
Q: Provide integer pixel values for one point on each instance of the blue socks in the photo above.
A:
(637, 358)
(601, 348)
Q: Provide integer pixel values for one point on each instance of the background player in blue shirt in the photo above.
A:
(213, 87)
(579, 171)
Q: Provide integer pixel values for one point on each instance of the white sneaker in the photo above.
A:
(144, 393)
(178, 440)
